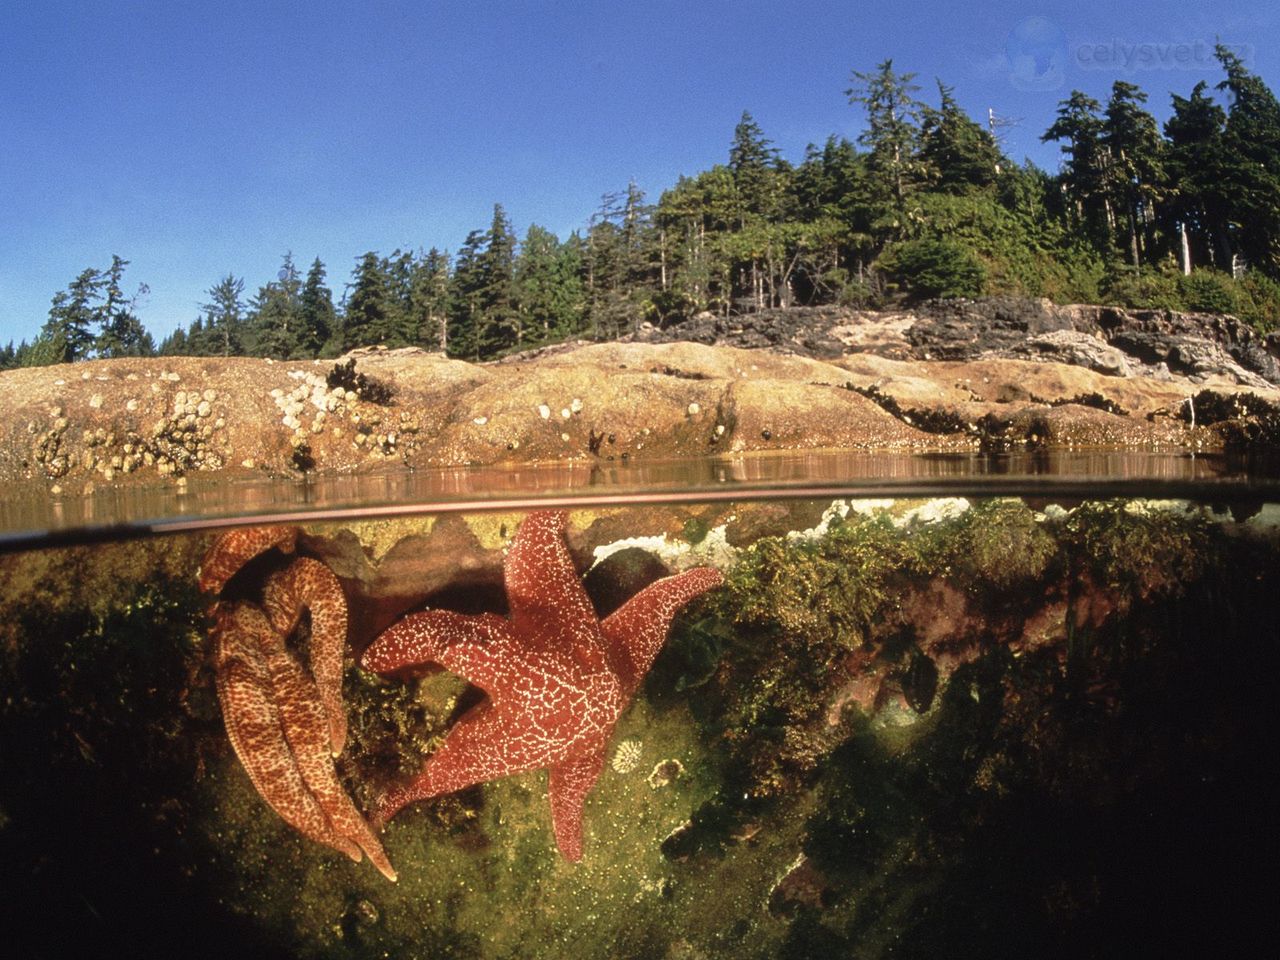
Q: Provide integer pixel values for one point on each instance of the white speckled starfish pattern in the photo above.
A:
(557, 678)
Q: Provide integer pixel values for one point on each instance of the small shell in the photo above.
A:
(627, 757)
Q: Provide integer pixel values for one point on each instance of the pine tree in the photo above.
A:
(755, 164)
(121, 333)
(275, 318)
(222, 331)
(175, 344)
(957, 153)
(618, 269)
(1252, 141)
(429, 300)
(1135, 162)
(1085, 174)
(400, 326)
(368, 312)
(548, 292)
(501, 328)
(66, 336)
(1196, 171)
(317, 319)
(893, 131)
(465, 300)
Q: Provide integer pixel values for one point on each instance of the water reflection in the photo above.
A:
(27, 518)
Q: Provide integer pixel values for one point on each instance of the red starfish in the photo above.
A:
(557, 677)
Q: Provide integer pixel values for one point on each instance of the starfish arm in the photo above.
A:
(544, 721)
(570, 782)
(234, 549)
(636, 631)
(477, 648)
(303, 717)
(487, 743)
(309, 584)
(549, 607)
(257, 736)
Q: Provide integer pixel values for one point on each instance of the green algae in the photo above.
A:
(1006, 815)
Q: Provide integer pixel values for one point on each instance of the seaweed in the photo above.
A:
(367, 388)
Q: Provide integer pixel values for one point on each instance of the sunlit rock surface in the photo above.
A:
(140, 421)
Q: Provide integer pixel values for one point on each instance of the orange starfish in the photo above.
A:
(286, 724)
(557, 677)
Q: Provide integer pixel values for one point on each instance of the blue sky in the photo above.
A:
(200, 139)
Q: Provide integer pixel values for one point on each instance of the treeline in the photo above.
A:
(925, 204)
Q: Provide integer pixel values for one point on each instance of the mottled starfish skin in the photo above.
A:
(557, 677)
(234, 549)
(286, 724)
(277, 726)
(309, 584)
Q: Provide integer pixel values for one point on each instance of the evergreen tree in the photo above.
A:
(465, 337)
(275, 317)
(175, 344)
(501, 321)
(755, 165)
(429, 300)
(369, 310)
(222, 331)
(121, 333)
(1085, 174)
(548, 291)
(1135, 162)
(1196, 171)
(956, 153)
(400, 327)
(66, 336)
(1252, 141)
(893, 131)
(317, 319)
(618, 266)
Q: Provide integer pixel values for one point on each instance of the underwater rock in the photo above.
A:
(665, 773)
(620, 575)
(802, 885)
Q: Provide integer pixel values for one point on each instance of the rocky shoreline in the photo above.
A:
(1162, 344)
(956, 375)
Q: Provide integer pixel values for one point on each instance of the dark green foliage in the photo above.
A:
(937, 268)
(893, 132)
(221, 331)
(1251, 140)
(95, 299)
(274, 327)
(317, 319)
(956, 153)
(370, 317)
(1184, 218)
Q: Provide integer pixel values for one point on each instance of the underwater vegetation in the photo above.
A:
(917, 729)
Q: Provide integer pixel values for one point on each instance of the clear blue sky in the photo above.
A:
(200, 139)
